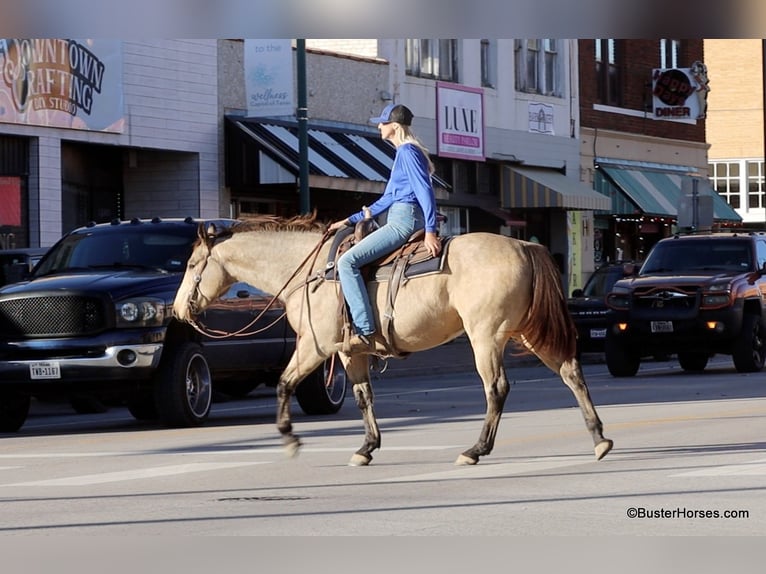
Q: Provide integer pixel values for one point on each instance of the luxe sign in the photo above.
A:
(460, 121)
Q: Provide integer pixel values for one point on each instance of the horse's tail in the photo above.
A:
(548, 327)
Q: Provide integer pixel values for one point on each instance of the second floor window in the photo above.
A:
(487, 63)
(607, 73)
(431, 59)
(537, 66)
(669, 50)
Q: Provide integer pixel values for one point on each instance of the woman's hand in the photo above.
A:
(338, 225)
(432, 243)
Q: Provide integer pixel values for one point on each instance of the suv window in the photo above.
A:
(716, 255)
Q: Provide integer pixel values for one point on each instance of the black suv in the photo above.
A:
(588, 305)
(94, 320)
(695, 296)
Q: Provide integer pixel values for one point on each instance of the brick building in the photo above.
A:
(644, 154)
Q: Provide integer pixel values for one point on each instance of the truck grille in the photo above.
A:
(51, 316)
(666, 298)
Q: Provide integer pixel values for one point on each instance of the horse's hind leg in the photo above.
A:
(488, 354)
(571, 373)
(358, 372)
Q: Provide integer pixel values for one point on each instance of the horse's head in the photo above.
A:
(205, 278)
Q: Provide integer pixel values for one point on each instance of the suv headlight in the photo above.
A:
(142, 312)
(619, 299)
(716, 295)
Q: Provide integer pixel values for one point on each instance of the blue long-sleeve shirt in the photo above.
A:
(410, 182)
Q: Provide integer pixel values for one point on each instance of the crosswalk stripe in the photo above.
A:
(137, 474)
(498, 470)
(753, 468)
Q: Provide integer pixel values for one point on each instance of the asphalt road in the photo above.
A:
(689, 459)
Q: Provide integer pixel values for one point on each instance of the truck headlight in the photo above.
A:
(140, 312)
(618, 300)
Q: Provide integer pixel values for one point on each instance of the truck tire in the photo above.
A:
(324, 390)
(143, 407)
(693, 362)
(620, 361)
(183, 386)
(14, 408)
(748, 351)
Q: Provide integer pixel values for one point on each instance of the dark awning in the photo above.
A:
(660, 193)
(338, 158)
(535, 187)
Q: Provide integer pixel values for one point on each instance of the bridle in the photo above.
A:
(193, 307)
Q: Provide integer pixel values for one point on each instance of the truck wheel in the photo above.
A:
(324, 390)
(748, 354)
(14, 408)
(143, 407)
(183, 386)
(620, 361)
(693, 361)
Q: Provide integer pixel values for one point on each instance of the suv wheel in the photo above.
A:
(748, 354)
(14, 408)
(620, 361)
(183, 386)
(323, 391)
(143, 407)
(693, 361)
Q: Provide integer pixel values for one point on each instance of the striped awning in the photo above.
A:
(660, 193)
(534, 187)
(338, 158)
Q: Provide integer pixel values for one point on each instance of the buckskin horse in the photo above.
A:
(492, 288)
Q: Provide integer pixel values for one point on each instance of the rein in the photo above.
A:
(216, 334)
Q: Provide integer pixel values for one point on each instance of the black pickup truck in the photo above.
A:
(696, 295)
(94, 320)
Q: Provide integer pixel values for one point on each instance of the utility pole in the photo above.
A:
(302, 116)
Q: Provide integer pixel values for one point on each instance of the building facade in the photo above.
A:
(103, 129)
(735, 125)
(643, 143)
(500, 118)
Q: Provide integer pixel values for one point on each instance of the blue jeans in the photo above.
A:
(403, 219)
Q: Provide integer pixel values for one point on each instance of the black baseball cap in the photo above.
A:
(394, 113)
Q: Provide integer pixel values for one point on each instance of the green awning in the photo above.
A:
(535, 187)
(660, 193)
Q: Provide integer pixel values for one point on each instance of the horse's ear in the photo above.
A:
(212, 233)
(201, 232)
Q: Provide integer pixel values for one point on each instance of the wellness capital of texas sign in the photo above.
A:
(269, 78)
(62, 83)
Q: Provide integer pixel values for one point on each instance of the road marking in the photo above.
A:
(102, 478)
(753, 468)
(216, 452)
(498, 470)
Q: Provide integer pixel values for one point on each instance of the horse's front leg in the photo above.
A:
(358, 372)
(304, 361)
(489, 364)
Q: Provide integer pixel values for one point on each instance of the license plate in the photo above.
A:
(45, 370)
(662, 326)
(598, 333)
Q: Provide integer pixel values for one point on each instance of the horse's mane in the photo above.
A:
(261, 222)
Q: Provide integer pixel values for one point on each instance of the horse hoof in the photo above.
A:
(359, 460)
(464, 460)
(292, 449)
(602, 448)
